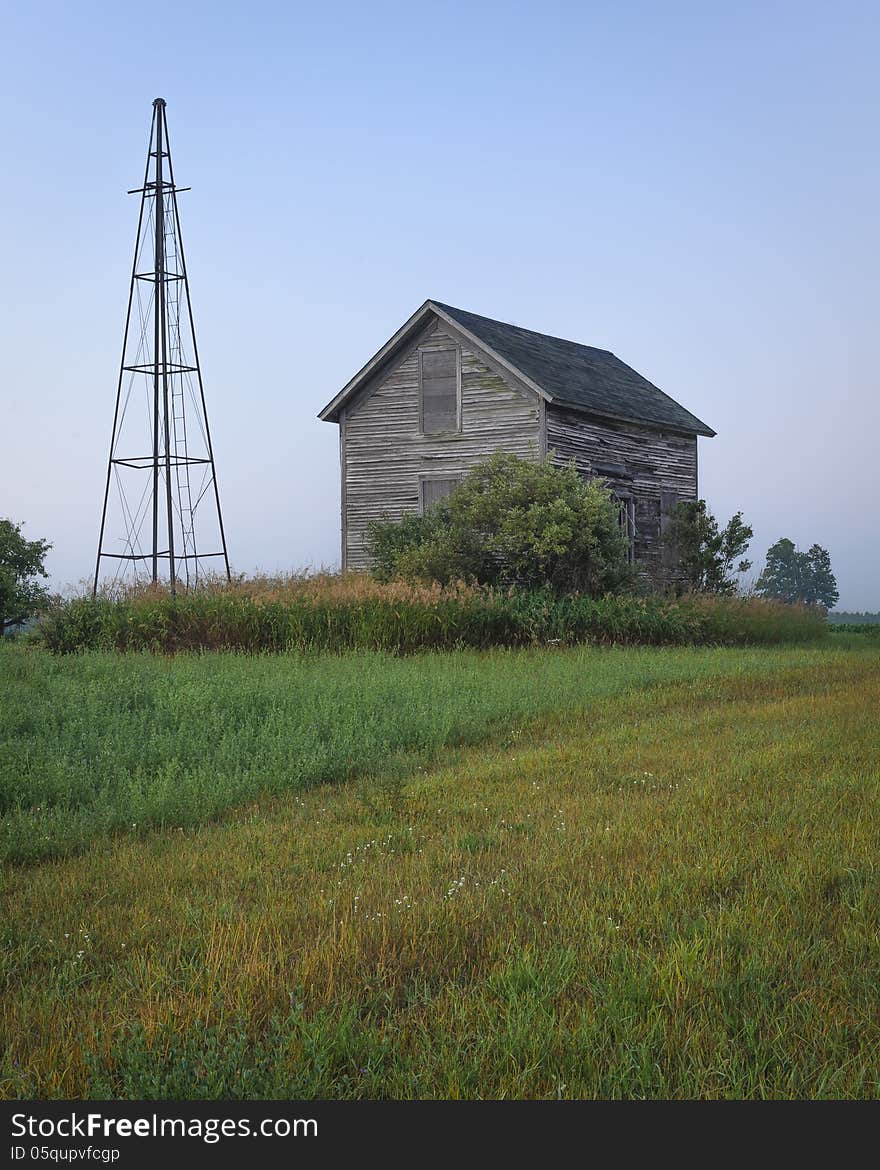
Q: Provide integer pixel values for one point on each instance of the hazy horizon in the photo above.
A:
(693, 188)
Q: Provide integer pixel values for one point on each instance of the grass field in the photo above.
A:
(620, 872)
(98, 743)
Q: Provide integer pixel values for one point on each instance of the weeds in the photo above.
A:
(349, 612)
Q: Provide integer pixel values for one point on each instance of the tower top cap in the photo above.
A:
(158, 101)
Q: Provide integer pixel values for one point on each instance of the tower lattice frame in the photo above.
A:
(162, 524)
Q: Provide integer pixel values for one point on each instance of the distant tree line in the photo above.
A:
(844, 617)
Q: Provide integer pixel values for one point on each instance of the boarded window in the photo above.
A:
(434, 490)
(438, 383)
(626, 518)
(668, 504)
(648, 521)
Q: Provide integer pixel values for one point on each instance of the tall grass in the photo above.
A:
(353, 612)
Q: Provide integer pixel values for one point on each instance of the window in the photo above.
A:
(668, 504)
(626, 518)
(435, 488)
(439, 384)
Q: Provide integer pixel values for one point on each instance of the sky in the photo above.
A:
(694, 186)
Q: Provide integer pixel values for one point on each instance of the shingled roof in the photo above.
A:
(565, 373)
(579, 376)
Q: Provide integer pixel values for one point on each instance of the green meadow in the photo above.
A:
(596, 871)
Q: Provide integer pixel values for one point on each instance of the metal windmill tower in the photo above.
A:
(161, 520)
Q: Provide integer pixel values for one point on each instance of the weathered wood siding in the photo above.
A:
(656, 469)
(384, 453)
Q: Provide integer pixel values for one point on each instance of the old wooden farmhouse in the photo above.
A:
(451, 387)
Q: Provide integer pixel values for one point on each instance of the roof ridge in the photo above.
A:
(522, 328)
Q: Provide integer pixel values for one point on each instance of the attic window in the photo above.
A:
(439, 390)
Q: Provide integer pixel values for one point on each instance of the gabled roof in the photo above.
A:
(564, 373)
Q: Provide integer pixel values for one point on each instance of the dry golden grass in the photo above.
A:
(322, 586)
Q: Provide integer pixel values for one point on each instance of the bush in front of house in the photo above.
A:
(511, 522)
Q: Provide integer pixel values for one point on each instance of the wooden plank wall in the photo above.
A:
(384, 454)
(657, 469)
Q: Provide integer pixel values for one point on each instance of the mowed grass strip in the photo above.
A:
(99, 743)
(671, 893)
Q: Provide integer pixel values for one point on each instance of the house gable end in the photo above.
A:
(418, 332)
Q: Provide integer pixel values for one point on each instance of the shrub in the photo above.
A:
(704, 553)
(511, 521)
(389, 540)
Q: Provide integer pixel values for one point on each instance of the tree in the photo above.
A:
(704, 553)
(511, 521)
(782, 574)
(21, 563)
(822, 584)
(793, 576)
